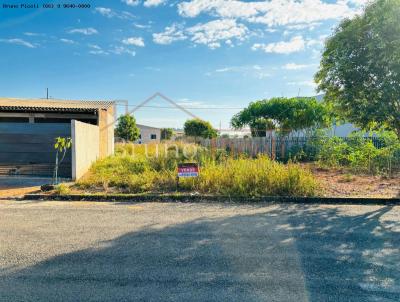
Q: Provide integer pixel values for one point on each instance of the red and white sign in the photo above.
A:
(188, 170)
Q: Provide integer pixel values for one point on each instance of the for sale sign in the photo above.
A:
(188, 170)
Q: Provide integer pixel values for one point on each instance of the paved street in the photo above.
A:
(79, 251)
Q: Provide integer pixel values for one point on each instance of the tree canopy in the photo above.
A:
(360, 67)
(199, 128)
(287, 114)
(260, 126)
(167, 133)
(126, 128)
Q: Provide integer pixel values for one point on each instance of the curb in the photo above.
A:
(214, 199)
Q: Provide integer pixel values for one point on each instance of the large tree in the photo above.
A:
(360, 67)
(199, 128)
(288, 114)
(126, 128)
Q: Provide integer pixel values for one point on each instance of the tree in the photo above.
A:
(286, 114)
(61, 146)
(199, 128)
(260, 126)
(166, 133)
(126, 128)
(360, 67)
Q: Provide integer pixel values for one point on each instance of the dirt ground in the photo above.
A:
(15, 186)
(339, 183)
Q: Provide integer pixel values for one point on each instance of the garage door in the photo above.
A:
(28, 149)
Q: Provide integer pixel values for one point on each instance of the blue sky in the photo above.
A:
(214, 55)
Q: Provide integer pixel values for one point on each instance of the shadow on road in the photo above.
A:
(290, 253)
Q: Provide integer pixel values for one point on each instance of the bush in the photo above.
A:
(360, 155)
(62, 189)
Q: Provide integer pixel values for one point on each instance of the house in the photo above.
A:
(28, 128)
(148, 134)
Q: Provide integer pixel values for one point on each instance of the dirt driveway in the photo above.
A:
(13, 186)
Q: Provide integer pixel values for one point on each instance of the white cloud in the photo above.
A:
(94, 46)
(296, 44)
(106, 12)
(109, 13)
(150, 3)
(211, 33)
(67, 41)
(317, 42)
(136, 41)
(131, 2)
(256, 71)
(170, 34)
(141, 26)
(119, 50)
(18, 42)
(84, 31)
(271, 13)
(30, 34)
(294, 66)
(301, 26)
(98, 52)
(185, 102)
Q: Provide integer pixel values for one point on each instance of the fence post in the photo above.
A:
(273, 148)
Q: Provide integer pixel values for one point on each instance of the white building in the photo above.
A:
(148, 134)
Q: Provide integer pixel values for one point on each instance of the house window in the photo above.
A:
(153, 136)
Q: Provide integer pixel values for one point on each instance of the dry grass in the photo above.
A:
(137, 169)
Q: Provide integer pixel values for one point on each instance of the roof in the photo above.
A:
(144, 126)
(53, 105)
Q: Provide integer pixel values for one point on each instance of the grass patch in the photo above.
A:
(141, 169)
(62, 189)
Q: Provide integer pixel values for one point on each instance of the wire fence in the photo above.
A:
(279, 148)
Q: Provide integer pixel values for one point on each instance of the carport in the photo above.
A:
(28, 129)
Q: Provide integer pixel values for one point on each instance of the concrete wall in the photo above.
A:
(106, 125)
(146, 132)
(85, 147)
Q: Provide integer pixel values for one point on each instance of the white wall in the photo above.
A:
(146, 133)
(85, 147)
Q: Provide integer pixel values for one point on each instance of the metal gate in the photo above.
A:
(28, 149)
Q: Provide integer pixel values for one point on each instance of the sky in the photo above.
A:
(210, 56)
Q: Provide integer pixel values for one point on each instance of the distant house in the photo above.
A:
(28, 128)
(148, 134)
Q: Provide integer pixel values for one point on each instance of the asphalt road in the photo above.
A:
(198, 252)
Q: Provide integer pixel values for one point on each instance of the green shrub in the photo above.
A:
(62, 189)
(360, 155)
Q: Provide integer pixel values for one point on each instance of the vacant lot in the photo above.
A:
(198, 252)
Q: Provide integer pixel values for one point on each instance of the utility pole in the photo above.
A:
(47, 93)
